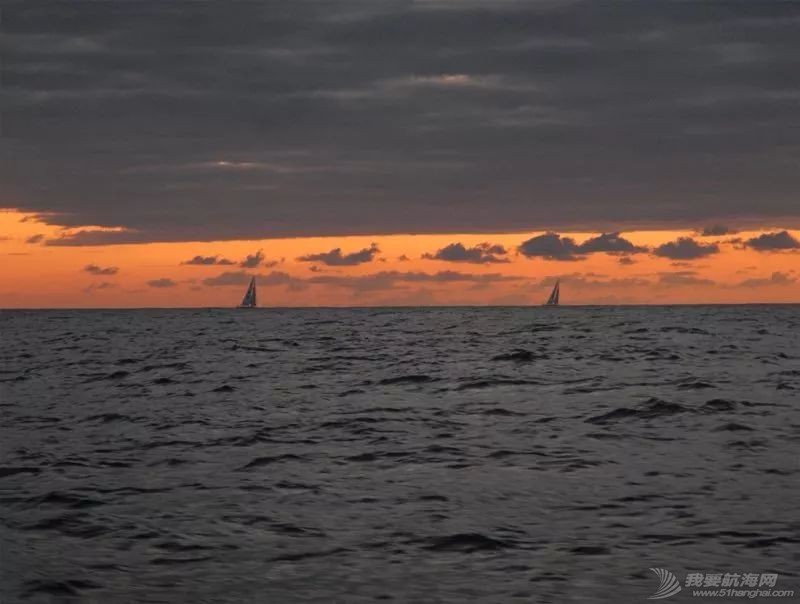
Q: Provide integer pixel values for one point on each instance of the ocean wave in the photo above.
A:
(492, 454)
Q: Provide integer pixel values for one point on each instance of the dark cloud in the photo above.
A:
(336, 258)
(35, 239)
(208, 261)
(98, 270)
(717, 230)
(483, 253)
(611, 243)
(685, 248)
(550, 246)
(626, 260)
(161, 283)
(777, 278)
(553, 246)
(218, 120)
(781, 240)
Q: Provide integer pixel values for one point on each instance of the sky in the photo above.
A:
(397, 152)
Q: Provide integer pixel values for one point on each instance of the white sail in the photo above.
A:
(249, 300)
(554, 295)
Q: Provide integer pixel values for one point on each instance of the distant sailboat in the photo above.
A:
(553, 299)
(249, 300)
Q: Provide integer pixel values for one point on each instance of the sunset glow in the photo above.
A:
(384, 270)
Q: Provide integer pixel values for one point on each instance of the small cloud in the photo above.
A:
(95, 236)
(336, 258)
(610, 243)
(258, 259)
(282, 278)
(161, 283)
(592, 280)
(483, 253)
(403, 258)
(626, 260)
(777, 278)
(445, 79)
(241, 278)
(93, 269)
(683, 278)
(253, 260)
(314, 268)
(229, 278)
(422, 296)
(383, 280)
(391, 279)
(99, 286)
(781, 240)
(208, 261)
(33, 239)
(550, 246)
(685, 248)
(717, 230)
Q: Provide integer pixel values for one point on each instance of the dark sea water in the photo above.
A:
(409, 455)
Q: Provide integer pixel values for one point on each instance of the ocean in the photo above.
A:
(399, 454)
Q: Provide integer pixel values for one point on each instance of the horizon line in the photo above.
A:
(406, 306)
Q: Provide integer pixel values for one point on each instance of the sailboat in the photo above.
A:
(553, 299)
(249, 300)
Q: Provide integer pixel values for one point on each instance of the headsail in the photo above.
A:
(554, 295)
(249, 300)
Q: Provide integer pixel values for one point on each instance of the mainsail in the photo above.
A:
(553, 299)
(249, 300)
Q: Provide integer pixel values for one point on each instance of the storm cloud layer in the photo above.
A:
(218, 120)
